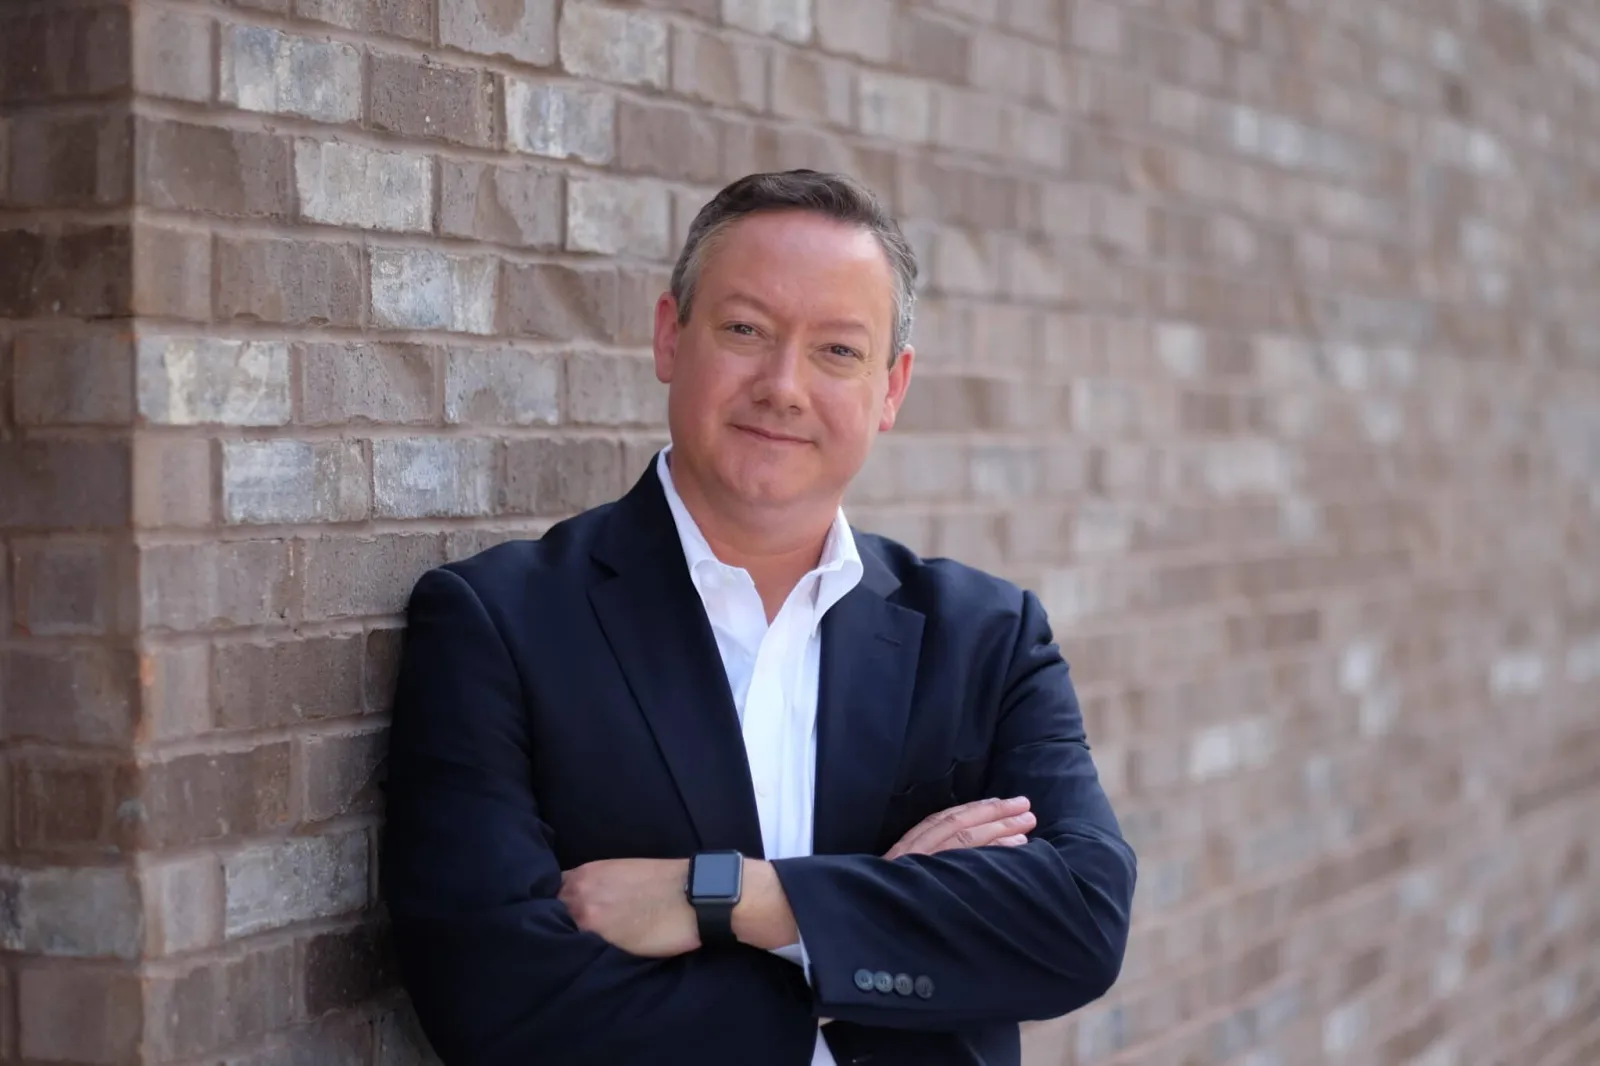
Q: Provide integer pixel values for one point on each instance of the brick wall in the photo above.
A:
(1259, 337)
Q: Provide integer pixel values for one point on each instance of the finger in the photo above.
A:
(940, 825)
(1012, 841)
(978, 835)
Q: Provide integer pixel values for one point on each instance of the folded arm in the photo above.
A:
(494, 962)
(1003, 934)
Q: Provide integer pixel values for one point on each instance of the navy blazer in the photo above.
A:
(563, 700)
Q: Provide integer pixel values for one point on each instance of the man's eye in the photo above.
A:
(744, 329)
(844, 351)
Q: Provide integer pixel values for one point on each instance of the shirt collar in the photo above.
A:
(837, 572)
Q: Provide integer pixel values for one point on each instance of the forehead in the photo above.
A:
(800, 261)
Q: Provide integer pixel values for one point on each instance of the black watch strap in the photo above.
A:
(716, 923)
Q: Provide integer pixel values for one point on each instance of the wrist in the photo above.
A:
(762, 918)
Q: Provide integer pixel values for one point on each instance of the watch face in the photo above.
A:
(716, 875)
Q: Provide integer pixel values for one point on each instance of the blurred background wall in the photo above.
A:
(1261, 338)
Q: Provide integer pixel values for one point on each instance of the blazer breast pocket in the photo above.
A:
(961, 783)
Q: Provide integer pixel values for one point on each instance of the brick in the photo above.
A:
(625, 47)
(77, 377)
(418, 98)
(73, 803)
(555, 477)
(342, 773)
(357, 577)
(302, 283)
(343, 969)
(70, 161)
(971, 121)
(188, 381)
(412, 19)
(173, 696)
(92, 912)
(560, 121)
(519, 206)
(383, 663)
(790, 20)
(209, 170)
(666, 140)
(279, 481)
(931, 46)
(813, 89)
(861, 28)
(367, 382)
(64, 484)
(278, 73)
(257, 685)
(612, 217)
(439, 478)
(61, 53)
(182, 904)
(67, 271)
(717, 69)
(78, 1014)
(502, 387)
(191, 587)
(74, 587)
(198, 1007)
(172, 482)
(192, 799)
(172, 55)
(275, 885)
(1097, 26)
(614, 390)
(416, 288)
(637, 295)
(171, 273)
(524, 30)
(340, 1040)
(348, 185)
(559, 303)
(896, 108)
(401, 1041)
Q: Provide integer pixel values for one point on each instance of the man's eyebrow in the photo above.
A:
(832, 323)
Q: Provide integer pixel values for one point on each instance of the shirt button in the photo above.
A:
(864, 980)
(924, 987)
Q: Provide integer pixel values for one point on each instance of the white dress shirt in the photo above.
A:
(773, 671)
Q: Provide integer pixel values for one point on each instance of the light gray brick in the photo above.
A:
(273, 72)
(626, 47)
(92, 912)
(294, 481)
(296, 880)
(172, 55)
(789, 19)
(385, 383)
(524, 31)
(614, 390)
(894, 107)
(611, 216)
(861, 28)
(186, 381)
(519, 206)
(414, 288)
(560, 121)
(433, 478)
(348, 185)
(182, 904)
(503, 387)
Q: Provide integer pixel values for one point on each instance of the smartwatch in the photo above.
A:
(716, 879)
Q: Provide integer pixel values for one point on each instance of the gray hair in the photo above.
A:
(833, 196)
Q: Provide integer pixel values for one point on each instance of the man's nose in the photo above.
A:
(781, 381)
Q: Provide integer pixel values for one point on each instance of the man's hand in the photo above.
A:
(1000, 822)
(637, 905)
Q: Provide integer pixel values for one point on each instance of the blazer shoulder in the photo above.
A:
(945, 587)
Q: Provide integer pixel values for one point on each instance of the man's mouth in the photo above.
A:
(771, 435)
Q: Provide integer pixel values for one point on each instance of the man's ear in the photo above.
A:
(666, 337)
(899, 382)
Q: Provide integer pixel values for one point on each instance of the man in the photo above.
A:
(704, 776)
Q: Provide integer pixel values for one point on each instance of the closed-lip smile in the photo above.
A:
(767, 434)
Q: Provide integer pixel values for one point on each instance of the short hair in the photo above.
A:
(833, 196)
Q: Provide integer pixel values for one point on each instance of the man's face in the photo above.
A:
(781, 380)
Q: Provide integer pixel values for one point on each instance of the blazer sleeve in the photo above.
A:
(1001, 934)
(496, 968)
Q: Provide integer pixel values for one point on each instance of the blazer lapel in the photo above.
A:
(870, 649)
(656, 626)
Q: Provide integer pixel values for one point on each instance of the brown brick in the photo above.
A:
(288, 281)
(74, 161)
(340, 1040)
(384, 383)
(422, 99)
(342, 772)
(554, 477)
(364, 576)
(76, 1013)
(74, 587)
(640, 289)
(666, 140)
(393, 18)
(383, 664)
(64, 484)
(931, 46)
(719, 68)
(256, 685)
(80, 271)
(519, 206)
(198, 1007)
(76, 695)
(172, 273)
(182, 904)
(558, 303)
(812, 88)
(61, 53)
(345, 968)
(614, 390)
(172, 481)
(73, 803)
(190, 587)
(174, 684)
(214, 171)
(172, 55)
(78, 376)
(192, 799)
